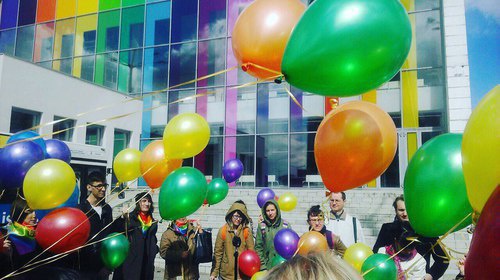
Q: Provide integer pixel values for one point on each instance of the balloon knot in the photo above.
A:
(244, 67)
(279, 80)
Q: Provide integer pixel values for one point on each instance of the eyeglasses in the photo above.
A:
(237, 217)
(317, 220)
(100, 186)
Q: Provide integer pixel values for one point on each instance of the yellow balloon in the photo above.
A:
(185, 136)
(48, 184)
(356, 254)
(127, 165)
(261, 275)
(287, 202)
(481, 150)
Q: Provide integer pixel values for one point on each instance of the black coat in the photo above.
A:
(89, 258)
(390, 231)
(139, 264)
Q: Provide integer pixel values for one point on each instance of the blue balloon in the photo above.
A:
(27, 135)
(58, 149)
(16, 159)
(71, 202)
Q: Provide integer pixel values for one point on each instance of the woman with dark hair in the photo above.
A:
(140, 228)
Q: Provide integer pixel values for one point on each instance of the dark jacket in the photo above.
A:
(390, 231)
(172, 244)
(89, 258)
(140, 261)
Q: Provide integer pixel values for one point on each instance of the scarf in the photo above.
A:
(181, 227)
(23, 237)
(401, 257)
(146, 222)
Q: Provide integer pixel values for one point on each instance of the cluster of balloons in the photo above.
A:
(372, 266)
(287, 243)
(41, 167)
(313, 47)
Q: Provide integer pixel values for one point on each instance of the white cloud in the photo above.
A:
(490, 8)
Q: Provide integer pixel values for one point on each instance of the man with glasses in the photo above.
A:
(100, 216)
(347, 227)
(316, 221)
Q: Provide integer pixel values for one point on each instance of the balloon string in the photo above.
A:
(245, 65)
(389, 258)
(293, 98)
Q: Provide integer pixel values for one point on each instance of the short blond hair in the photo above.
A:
(318, 266)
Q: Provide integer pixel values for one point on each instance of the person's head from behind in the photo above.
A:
(337, 201)
(96, 185)
(144, 203)
(21, 213)
(317, 266)
(315, 218)
(400, 209)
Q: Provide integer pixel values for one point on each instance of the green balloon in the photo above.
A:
(346, 48)
(434, 187)
(114, 250)
(385, 268)
(182, 193)
(217, 191)
(277, 260)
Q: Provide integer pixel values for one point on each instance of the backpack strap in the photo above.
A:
(224, 232)
(355, 228)
(263, 231)
(246, 233)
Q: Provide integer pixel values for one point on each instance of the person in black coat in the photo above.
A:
(100, 216)
(390, 231)
(140, 228)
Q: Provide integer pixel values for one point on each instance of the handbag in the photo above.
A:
(203, 249)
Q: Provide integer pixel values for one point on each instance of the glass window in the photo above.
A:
(302, 162)
(8, 17)
(106, 70)
(85, 37)
(210, 161)
(242, 148)
(428, 39)
(158, 24)
(389, 99)
(7, 39)
(271, 157)
(158, 116)
(235, 7)
(66, 127)
(309, 118)
(272, 108)
(94, 135)
(84, 68)
(212, 19)
(46, 10)
(211, 60)
(87, 7)
(235, 77)
(63, 65)
(130, 71)
(426, 4)
(108, 31)
(109, 4)
(24, 42)
(187, 105)
(431, 98)
(65, 8)
(184, 20)
(27, 12)
(21, 119)
(121, 141)
(46, 64)
(182, 64)
(155, 69)
(241, 110)
(132, 29)
(131, 2)
(44, 40)
(63, 46)
(209, 106)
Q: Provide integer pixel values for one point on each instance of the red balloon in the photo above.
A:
(249, 263)
(57, 224)
(484, 252)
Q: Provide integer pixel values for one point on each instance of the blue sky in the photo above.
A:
(483, 40)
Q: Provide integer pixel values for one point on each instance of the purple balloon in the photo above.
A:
(58, 149)
(232, 170)
(286, 242)
(26, 135)
(16, 159)
(264, 195)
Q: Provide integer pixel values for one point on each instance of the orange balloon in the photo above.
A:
(312, 242)
(261, 33)
(154, 166)
(355, 144)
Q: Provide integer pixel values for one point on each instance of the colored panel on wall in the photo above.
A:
(184, 19)
(46, 10)
(87, 7)
(8, 18)
(130, 71)
(182, 64)
(27, 12)
(132, 29)
(211, 55)
(44, 41)
(64, 39)
(7, 39)
(24, 42)
(109, 4)
(126, 3)
(370, 96)
(85, 36)
(83, 68)
(212, 19)
(108, 31)
(412, 144)
(106, 70)
(65, 8)
(155, 68)
(158, 24)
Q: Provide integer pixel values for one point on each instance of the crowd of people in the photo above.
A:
(177, 244)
